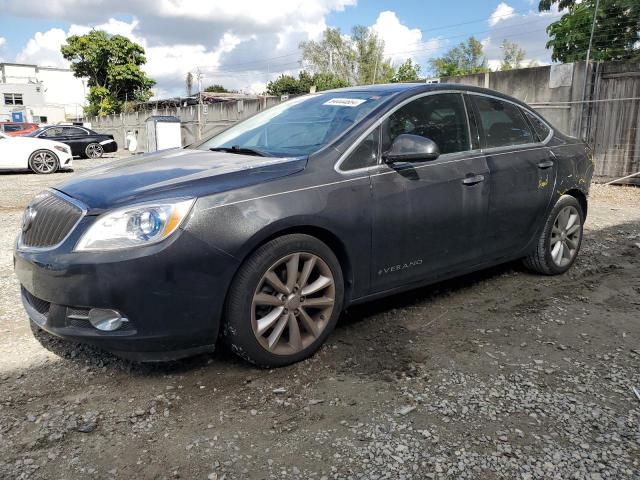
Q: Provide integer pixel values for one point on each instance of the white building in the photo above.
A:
(35, 94)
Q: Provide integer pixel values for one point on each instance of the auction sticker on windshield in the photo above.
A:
(345, 102)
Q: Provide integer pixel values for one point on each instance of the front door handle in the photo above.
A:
(545, 164)
(473, 180)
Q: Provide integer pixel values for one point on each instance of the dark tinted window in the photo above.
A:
(52, 132)
(440, 117)
(13, 128)
(502, 123)
(365, 154)
(538, 125)
(73, 132)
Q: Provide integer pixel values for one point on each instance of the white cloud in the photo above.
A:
(528, 30)
(502, 12)
(402, 42)
(44, 49)
(3, 42)
(225, 40)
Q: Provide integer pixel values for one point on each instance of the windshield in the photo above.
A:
(299, 126)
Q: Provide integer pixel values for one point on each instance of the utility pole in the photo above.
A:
(199, 76)
(586, 66)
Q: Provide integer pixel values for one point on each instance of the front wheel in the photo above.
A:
(43, 162)
(560, 240)
(284, 301)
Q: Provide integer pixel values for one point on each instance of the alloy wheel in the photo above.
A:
(293, 303)
(94, 150)
(43, 162)
(565, 236)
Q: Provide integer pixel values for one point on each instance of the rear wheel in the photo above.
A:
(94, 150)
(43, 162)
(560, 241)
(284, 301)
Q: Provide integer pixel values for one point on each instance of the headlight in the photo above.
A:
(135, 226)
(61, 149)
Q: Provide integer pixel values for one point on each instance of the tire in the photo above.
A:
(297, 322)
(93, 150)
(44, 162)
(548, 258)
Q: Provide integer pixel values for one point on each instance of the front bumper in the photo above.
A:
(172, 293)
(109, 146)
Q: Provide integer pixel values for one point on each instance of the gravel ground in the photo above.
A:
(498, 375)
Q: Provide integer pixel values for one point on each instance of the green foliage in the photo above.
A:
(464, 59)
(616, 34)
(512, 56)
(357, 59)
(406, 72)
(216, 88)
(289, 85)
(112, 66)
(333, 54)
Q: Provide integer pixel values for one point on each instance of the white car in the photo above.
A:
(39, 155)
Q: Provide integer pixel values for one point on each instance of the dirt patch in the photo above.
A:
(499, 374)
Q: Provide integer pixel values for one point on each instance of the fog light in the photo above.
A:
(106, 320)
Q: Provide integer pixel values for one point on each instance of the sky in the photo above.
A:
(242, 44)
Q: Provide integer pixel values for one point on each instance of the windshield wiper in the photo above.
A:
(241, 150)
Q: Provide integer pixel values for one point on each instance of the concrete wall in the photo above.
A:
(217, 117)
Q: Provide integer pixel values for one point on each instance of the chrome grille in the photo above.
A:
(48, 220)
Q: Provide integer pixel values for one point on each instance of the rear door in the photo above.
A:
(76, 138)
(522, 175)
(429, 217)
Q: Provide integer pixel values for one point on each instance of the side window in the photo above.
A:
(13, 128)
(73, 132)
(538, 125)
(502, 123)
(365, 154)
(52, 132)
(440, 117)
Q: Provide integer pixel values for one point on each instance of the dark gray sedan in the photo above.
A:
(266, 232)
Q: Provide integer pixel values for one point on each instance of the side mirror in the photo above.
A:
(411, 148)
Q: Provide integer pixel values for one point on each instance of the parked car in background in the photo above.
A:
(39, 155)
(267, 231)
(84, 143)
(17, 129)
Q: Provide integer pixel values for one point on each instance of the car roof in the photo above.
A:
(426, 87)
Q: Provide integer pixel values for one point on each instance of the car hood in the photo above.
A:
(173, 173)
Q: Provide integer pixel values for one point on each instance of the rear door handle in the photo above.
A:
(473, 180)
(545, 164)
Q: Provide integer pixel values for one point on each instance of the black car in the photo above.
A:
(84, 143)
(264, 233)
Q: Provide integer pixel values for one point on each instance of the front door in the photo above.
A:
(523, 175)
(429, 217)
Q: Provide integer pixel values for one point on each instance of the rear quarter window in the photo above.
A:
(541, 128)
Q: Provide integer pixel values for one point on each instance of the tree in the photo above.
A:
(407, 72)
(355, 59)
(370, 64)
(112, 66)
(289, 85)
(189, 84)
(464, 59)
(616, 35)
(512, 56)
(330, 55)
(216, 88)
